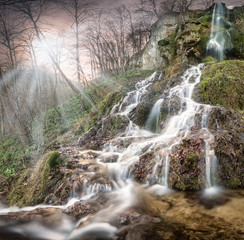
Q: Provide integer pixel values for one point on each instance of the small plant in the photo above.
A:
(54, 160)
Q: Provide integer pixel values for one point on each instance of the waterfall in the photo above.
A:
(128, 148)
(153, 120)
(179, 127)
(220, 38)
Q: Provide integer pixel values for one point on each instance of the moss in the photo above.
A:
(209, 60)
(33, 186)
(174, 70)
(205, 24)
(191, 156)
(54, 159)
(234, 182)
(163, 42)
(202, 45)
(222, 84)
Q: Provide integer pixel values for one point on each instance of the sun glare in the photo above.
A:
(50, 45)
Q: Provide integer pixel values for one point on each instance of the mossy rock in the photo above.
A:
(32, 187)
(187, 164)
(229, 150)
(222, 84)
(54, 159)
(237, 41)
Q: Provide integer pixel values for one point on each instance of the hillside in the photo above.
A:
(159, 154)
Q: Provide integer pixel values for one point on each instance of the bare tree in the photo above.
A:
(78, 11)
(32, 12)
(150, 7)
(10, 30)
(206, 3)
(111, 42)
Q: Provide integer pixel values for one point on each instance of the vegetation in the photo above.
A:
(54, 160)
(13, 156)
(222, 84)
(36, 188)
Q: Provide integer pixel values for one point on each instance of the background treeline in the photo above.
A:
(97, 43)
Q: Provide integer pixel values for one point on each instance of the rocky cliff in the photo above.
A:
(174, 41)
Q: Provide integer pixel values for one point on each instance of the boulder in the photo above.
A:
(229, 150)
(187, 165)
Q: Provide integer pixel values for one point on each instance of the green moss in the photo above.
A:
(202, 45)
(222, 84)
(207, 17)
(163, 42)
(192, 156)
(54, 159)
(205, 24)
(209, 60)
(234, 182)
(32, 185)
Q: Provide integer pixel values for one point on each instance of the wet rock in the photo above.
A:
(171, 106)
(51, 217)
(108, 158)
(187, 165)
(145, 227)
(87, 136)
(222, 118)
(83, 208)
(107, 128)
(229, 149)
(143, 168)
(142, 112)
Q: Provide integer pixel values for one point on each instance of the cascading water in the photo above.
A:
(176, 129)
(220, 38)
(152, 123)
(127, 149)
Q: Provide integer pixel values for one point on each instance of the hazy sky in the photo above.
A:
(112, 3)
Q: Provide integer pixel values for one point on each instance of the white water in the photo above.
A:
(152, 123)
(131, 145)
(220, 38)
(176, 129)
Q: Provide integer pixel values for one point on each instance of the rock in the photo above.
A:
(222, 84)
(51, 217)
(222, 118)
(87, 136)
(149, 57)
(145, 227)
(103, 131)
(187, 165)
(143, 168)
(229, 149)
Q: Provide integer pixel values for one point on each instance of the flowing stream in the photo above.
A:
(122, 189)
